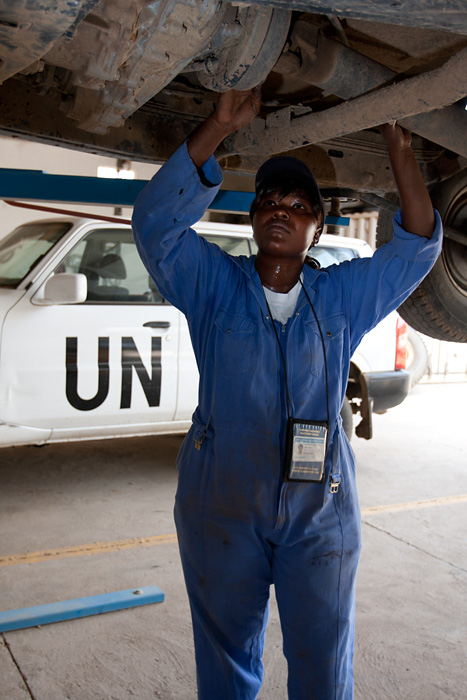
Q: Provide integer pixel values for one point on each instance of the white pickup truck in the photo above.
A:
(90, 349)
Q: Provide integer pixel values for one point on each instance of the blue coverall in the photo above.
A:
(241, 527)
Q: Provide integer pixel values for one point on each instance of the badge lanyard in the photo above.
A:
(306, 440)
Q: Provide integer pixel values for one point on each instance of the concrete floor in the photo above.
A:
(77, 506)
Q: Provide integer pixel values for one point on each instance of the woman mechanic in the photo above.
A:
(273, 339)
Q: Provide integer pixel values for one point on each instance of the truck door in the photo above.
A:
(106, 366)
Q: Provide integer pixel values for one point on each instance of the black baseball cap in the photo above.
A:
(279, 169)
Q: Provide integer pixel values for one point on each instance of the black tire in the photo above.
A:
(347, 418)
(418, 361)
(438, 307)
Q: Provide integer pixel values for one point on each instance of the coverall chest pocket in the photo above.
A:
(332, 328)
(234, 343)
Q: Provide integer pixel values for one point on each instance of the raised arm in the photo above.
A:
(182, 263)
(416, 208)
(234, 110)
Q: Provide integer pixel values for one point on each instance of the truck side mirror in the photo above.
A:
(65, 288)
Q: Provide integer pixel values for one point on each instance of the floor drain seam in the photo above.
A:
(414, 546)
(12, 656)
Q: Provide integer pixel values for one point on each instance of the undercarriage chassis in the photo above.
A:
(133, 79)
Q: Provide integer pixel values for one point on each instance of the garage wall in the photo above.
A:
(362, 225)
(447, 361)
(28, 155)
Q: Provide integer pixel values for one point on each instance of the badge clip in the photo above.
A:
(335, 482)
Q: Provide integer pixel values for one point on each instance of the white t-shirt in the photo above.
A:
(283, 305)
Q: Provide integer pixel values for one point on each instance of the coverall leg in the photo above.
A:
(228, 569)
(227, 573)
(316, 600)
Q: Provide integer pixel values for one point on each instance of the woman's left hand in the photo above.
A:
(416, 208)
(397, 139)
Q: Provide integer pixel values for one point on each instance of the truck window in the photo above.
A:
(113, 268)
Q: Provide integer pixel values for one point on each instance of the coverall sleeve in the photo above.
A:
(378, 285)
(184, 266)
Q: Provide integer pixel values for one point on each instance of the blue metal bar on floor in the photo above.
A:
(79, 607)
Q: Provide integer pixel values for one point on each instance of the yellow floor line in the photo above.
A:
(415, 505)
(86, 549)
(119, 545)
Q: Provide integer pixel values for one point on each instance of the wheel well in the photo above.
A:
(357, 394)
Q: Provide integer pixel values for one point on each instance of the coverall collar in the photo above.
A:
(248, 267)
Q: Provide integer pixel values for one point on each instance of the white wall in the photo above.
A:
(362, 225)
(448, 361)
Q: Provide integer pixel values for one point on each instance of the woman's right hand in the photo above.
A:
(234, 109)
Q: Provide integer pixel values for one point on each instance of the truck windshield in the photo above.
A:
(22, 249)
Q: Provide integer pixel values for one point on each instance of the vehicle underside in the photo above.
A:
(133, 79)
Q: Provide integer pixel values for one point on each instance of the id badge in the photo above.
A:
(305, 450)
